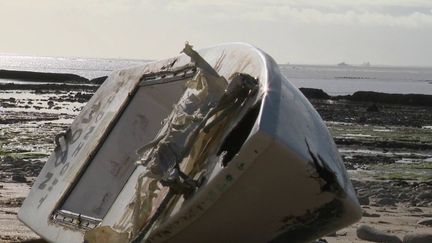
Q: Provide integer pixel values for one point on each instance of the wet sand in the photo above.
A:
(387, 149)
(29, 120)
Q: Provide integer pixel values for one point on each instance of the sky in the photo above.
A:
(382, 32)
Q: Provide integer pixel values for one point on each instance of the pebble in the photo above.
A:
(417, 238)
(365, 232)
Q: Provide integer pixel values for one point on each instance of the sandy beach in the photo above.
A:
(386, 147)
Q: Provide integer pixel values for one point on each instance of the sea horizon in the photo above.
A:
(334, 79)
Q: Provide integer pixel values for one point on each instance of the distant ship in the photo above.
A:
(343, 64)
(207, 146)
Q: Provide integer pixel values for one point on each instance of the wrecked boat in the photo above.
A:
(207, 146)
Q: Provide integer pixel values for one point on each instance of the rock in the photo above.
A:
(99, 80)
(19, 179)
(362, 119)
(81, 97)
(414, 203)
(402, 99)
(373, 108)
(365, 232)
(400, 183)
(8, 160)
(417, 238)
(321, 241)
(363, 199)
(19, 163)
(371, 215)
(379, 190)
(415, 210)
(311, 93)
(402, 196)
(426, 221)
(41, 76)
(386, 201)
(34, 241)
(422, 204)
(425, 195)
(13, 202)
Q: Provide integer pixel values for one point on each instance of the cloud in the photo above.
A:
(397, 13)
(304, 30)
(394, 13)
(351, 17)
(405, 14)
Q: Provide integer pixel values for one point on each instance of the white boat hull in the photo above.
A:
(286, 182)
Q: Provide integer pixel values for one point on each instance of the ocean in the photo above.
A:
(86, 67)
(335, 80)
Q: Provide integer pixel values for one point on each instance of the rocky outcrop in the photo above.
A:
(41, 87)
(372, 97)
(400, 99)
(314, 93)
(99, 80)
(42, 76)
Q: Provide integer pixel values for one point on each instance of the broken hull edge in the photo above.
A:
(254, 207)
(312, 130)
